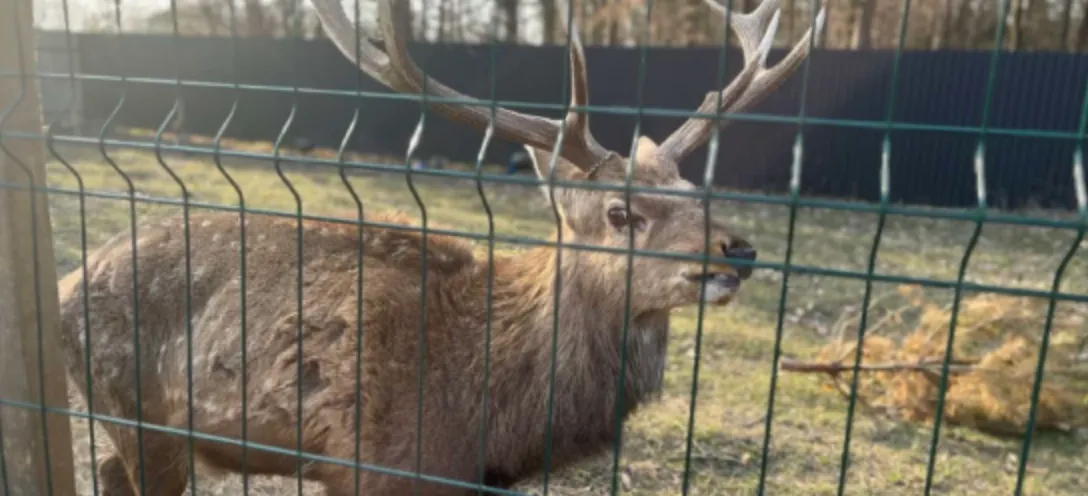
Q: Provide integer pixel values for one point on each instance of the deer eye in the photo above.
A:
(617, 216)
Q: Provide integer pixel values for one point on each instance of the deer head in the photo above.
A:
(658, 222)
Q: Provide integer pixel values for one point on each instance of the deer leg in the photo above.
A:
(113, 477)
(163, 456)
(165, 464)
(339, 480)
(380, 484)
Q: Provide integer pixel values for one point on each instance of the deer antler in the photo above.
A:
(396, 69)
(755, 80)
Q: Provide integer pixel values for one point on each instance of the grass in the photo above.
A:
(737, 342)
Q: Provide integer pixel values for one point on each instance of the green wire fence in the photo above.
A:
(22, 176)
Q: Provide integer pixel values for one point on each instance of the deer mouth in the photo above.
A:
(725, 280)
(717, 287)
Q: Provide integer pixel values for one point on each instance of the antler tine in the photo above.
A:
(748, 26)
(395, 69)
(578, 123)
(769, 80)
(755, 32)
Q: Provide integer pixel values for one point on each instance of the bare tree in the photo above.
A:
(292, 17)
(510, 10)
(693, 22)
(1067, 20)
(213, 12)
(1082, 33)
(256, 19)
(943, 27)
(549, 15)
(1015, 26)
(863, 25)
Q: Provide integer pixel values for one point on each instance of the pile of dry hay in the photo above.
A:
(992, 368)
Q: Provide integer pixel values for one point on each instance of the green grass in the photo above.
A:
(737, 342)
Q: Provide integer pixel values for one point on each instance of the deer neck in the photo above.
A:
(577, 356)
(589, 332)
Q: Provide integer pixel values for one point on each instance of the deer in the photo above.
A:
(370, 365)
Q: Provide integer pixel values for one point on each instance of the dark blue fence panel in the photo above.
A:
(1033, 91)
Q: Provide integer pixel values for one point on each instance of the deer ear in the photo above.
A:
(564, 170)
(645, 150)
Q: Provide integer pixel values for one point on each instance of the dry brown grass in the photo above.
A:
(993, 364)
(737, 343)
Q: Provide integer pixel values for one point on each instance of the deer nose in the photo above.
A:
(740, 249)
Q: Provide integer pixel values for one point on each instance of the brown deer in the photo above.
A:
(334, 348)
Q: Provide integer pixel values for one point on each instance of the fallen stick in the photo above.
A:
(836, 367)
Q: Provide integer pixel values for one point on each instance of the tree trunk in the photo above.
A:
(1082, 35)
(613, 32)
(969, 24)
(290, 18)
(457, 24)
(549, 14)
(510, 13)
(695, 26)
(443, 19)
(1067, 20)
(861, 37)
(944, 26)
(255, 18)
(791, 15)
(421, 33)
(213, 17)
(1015, 26)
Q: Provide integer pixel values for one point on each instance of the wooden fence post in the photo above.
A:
(28, 292)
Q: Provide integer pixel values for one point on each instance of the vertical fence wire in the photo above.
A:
(556, 300)
(818, 18)
(133, 245)
(409, 179)
(81, 198)
(1044, 344)
(4, 462)
(5, 116)
(481, 459)
(413, 145)
(885, 190)
(357, 418)
(980, 219)
(217, 158)
(187, 241)
(277, 160)
(708, 188)
(489, 133)
(567, 91)
(621, 374)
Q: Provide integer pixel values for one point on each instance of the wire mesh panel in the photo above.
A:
(272, 283)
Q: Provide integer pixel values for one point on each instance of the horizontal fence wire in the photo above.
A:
(622, 110)
(305, 454)
(848, 90)
(533, 241)
(992, 216)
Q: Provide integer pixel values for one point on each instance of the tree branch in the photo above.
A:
(836, 367)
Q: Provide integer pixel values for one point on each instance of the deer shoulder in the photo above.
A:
(215, 241)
